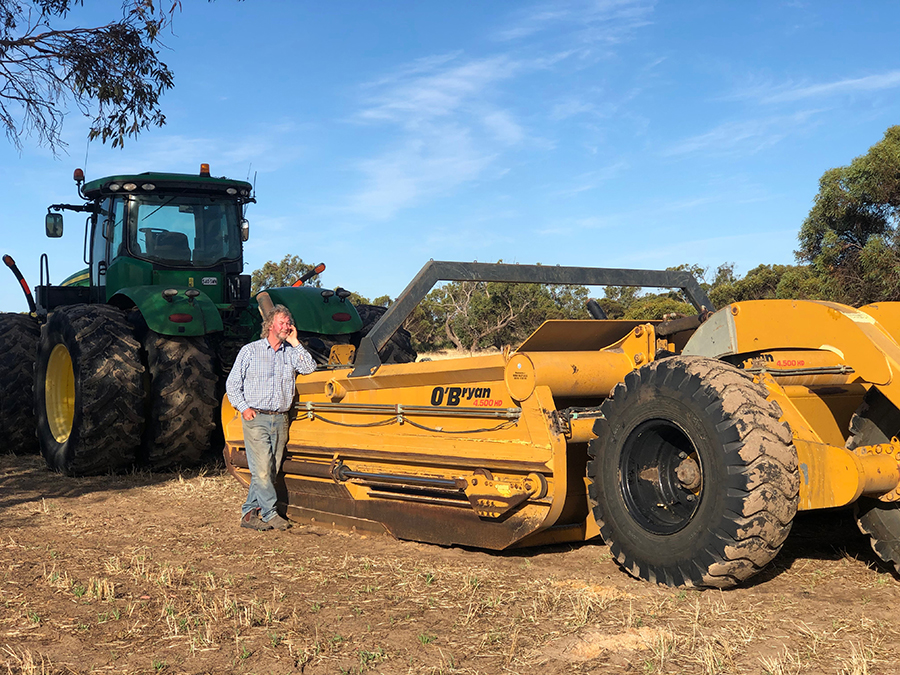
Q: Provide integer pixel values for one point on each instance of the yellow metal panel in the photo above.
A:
(826, 409)
(579, 336)
(761, 325)
(520, 377)
(832, 476)
(411, 443)
(572, 374)
(887, 314)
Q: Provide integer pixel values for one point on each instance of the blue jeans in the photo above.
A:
(265, 437)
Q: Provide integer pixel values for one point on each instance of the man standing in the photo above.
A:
(261, 386)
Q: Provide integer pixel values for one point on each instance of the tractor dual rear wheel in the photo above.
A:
(19, 335)
(877, 421)
(398, 349)
(182, 400)
(692, 478)
(88, 393)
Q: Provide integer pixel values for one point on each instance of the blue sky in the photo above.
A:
(613, 134)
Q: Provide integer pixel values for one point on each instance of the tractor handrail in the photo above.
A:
(367, 358)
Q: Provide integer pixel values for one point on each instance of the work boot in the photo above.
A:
(277, 522)
(252, 521)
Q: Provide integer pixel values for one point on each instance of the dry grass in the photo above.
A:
(16, 661)
(155, 576)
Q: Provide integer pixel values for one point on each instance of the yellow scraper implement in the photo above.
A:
(688, 445)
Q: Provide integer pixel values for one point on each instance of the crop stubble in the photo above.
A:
(151, 573)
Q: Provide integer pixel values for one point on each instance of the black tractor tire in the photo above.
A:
(877, 421)
(398, 349)
(319, 346)
(182, 401)
(692, 478)
(89, 394)
(19, 335)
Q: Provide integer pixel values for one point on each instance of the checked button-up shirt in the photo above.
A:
(264, 379)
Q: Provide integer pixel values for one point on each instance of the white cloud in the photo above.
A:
(767, 92)
(428, 165)
(503, 128)
(589, 21)
(448, 130)
(590, 181)
(448, 111)
(744, 137)
(572, 107)
(427, 90)
(860, 84)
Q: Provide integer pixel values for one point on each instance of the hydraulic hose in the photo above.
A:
(11, 264)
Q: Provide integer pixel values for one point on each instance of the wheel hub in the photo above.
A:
(662, 477)
(59, 397)
(688, 473)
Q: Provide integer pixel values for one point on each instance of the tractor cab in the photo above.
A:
(155, 229)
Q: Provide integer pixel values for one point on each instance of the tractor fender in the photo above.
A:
(79, 278)
(315, 313)
(177, 316)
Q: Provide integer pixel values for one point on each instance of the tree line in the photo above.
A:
(849, 252)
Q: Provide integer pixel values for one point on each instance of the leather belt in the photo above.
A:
(270, 412)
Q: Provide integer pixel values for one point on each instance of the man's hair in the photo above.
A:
(270, 319)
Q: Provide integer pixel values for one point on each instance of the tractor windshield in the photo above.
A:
(183, 230)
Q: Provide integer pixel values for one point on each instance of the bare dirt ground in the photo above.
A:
(151, 574)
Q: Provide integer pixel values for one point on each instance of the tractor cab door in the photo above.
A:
(98, 261)
(106, 238)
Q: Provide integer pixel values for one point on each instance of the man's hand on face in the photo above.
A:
(291, 336)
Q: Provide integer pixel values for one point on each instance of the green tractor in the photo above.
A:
(124, 362)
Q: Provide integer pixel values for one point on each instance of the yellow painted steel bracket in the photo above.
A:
(809, 386)
(853, 335)
(831, 475)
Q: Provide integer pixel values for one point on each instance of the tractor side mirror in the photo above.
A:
(245, 229)
(54, 225)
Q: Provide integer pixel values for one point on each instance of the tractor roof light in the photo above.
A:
(78, 176)
(114, 187)
(232, 191)
(204, 170)
(149, 187)
(129, 187)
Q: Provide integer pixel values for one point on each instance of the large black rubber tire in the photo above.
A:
(398, 349)
(19, 335)
(182, 401)
(89, 395)
(693, 479)
(877, 421)
(319, 346)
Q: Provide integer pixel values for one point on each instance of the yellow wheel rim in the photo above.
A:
(59, 392)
